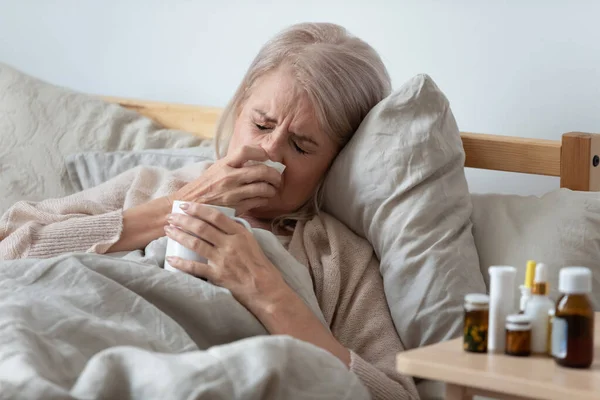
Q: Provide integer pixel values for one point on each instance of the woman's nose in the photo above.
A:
(273, 145)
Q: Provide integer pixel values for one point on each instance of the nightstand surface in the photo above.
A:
(504, 376)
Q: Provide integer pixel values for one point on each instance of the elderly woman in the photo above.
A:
(301, 100)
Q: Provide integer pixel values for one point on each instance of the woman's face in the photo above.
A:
(281, 120)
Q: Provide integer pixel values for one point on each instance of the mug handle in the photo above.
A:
(243, 222)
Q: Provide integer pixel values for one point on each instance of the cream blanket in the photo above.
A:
(89, 326)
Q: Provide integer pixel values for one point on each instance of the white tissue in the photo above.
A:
(273, 164)
(277, 165)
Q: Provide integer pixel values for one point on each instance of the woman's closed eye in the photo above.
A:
(299, 149)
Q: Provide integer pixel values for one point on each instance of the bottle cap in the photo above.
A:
(575, 280)
(502, 283)
(518, 319)
(540, 283)
(502, 271)
(518, 322)
(529, 274)
(541, 273)
(477, 299)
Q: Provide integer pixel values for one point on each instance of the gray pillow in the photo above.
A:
(89, 169)
(40, 124)
(400, 183)
(561, 228)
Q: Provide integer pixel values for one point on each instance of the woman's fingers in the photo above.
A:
(214, 217)
(191, 242)
(246, 153)
(191, 267)
(197, 227)
(251, 196)
(245, 192)
(256, 190)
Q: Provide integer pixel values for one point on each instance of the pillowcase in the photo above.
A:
(561, 228)
(40, 124)
(89, 169)
(400, 183)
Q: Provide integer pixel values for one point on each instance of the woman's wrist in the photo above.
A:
(142, 224)
(270, 300)
(285, 313)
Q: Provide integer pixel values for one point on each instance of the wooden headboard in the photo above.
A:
(575, 158)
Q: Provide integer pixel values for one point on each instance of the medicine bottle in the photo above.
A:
(537, 308)
(573, 322)
(518, 335)
(476, 315)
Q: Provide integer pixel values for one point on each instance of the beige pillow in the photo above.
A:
(41, 124)
(400, 183)
(561, 228)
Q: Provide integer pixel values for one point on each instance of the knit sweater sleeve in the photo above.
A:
(90, 220)
(366, 328)
(87, 221)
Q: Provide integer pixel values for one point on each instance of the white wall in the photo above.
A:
(525, 68)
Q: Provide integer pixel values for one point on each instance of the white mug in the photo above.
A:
(178, 250)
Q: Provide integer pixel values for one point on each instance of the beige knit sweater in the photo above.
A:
(343, 267)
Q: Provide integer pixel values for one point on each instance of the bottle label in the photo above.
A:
(559, 337)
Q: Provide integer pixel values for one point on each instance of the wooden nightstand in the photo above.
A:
(500, 376)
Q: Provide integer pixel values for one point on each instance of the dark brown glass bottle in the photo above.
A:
(573, 322)
(518, 335)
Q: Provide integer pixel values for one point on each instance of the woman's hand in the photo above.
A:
(236, 261)
(228, 183)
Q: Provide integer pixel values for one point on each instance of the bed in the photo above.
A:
(141, 334)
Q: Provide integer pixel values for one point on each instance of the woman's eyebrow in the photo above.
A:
(303, 138)
(265, 116)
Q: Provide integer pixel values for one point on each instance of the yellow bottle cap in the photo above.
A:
(530, 274)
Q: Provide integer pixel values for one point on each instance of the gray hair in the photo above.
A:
(342, 75)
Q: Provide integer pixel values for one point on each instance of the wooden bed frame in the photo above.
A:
(575, 158)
